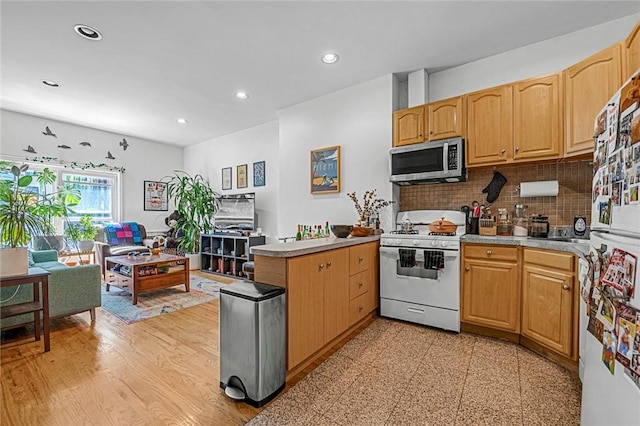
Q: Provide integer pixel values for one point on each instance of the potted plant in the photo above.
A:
(24, 214)
(196, 203)
(82, 233)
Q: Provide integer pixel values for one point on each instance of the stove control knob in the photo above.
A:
(416, 242)
(434, 243)
(444, 243)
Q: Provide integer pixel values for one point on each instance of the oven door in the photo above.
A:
(425, 276)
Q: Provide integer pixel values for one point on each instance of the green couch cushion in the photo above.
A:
(30, 258)
(52, 266)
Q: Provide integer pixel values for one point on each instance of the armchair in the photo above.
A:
(119, 239)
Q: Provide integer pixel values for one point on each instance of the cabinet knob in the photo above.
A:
(431, 132)
(360, 259)
(321, 266)
(420, 134)
(359, 285)
(565, 287)
(489, 252)
(360, 308)
(466, 268)
(503, 151)
(328, 264)
(517, 148)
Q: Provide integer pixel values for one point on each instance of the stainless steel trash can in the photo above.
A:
(252, 341)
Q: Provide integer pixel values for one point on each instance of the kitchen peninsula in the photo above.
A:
(332, 288)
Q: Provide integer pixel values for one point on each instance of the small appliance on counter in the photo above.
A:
(539, 226)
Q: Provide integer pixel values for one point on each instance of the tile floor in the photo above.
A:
(395, 373)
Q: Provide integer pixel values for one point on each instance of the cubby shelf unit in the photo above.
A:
(224, 254)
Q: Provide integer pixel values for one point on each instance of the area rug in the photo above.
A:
(158, 302)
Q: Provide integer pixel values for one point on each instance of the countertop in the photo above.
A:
(299, 248)
(578, 248)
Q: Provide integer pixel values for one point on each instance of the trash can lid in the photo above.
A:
(253, 291)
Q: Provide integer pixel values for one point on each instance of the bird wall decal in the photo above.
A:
(48, 132)
(30, 150)
(124, 144)
(64, 146)
(85, 144)
(109, 156)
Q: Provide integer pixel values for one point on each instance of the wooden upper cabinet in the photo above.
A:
(537, 123)
(588, 85)
(490, 126)
(445, 119)
(631, 53)
(408, 126)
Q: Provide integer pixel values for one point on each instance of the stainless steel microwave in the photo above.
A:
(429, 162)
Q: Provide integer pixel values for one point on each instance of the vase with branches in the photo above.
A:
(370, 207)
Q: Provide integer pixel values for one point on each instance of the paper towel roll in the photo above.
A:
(543, 188)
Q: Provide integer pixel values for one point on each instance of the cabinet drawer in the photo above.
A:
(359, 308)
(491, 252)
(359, 258)
(550, 259)
(359, 284)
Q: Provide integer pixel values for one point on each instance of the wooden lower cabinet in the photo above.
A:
(328, 293)
(491, 288)
(548, 300)
(538, 302)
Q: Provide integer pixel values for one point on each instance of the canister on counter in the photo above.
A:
(579, 226)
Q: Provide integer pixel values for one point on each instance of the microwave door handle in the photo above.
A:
(445, 156)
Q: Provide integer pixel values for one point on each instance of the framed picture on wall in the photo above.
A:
(259, 173)
(226, 178)
(325, 170)
(156, 196)
(241, 172)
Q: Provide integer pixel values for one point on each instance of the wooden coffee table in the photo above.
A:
(145, 273)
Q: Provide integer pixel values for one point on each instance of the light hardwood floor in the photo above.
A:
(164, 370)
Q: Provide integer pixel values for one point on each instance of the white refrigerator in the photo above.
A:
(610, 305)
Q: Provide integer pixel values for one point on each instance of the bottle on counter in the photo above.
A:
(299, 234)
(327, 231)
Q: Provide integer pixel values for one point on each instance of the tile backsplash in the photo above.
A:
(574, 193)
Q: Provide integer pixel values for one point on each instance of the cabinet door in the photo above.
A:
(631, 53)
(305, 306)
(588, 85)
(490, 126)
(537, 115)
(408, 126)
(547, 308)
(445, 118)
(491, 294)
(336, 293)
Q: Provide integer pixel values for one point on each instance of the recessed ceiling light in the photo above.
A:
(330, 58)
(242, 95)
(182, 120)
(50, 83)
(87, 32)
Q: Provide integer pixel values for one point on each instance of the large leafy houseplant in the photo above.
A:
(24, 212)
(196, 202)
(82, 233)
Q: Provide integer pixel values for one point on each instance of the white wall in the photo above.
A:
(530, 61)
(258, 143)
(143, 159)
(358, 119)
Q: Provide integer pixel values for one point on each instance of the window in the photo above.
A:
(99, 190)
(98, 194)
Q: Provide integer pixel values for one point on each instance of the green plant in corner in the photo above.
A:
(196, 202)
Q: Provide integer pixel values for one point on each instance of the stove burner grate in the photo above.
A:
(411, 232)
(443, 234)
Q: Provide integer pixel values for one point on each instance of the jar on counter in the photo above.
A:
(520, 220)
(504, 224)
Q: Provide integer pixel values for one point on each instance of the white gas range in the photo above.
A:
(420, 270)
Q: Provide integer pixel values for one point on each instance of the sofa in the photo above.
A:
(71, 290)
(116, 239)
